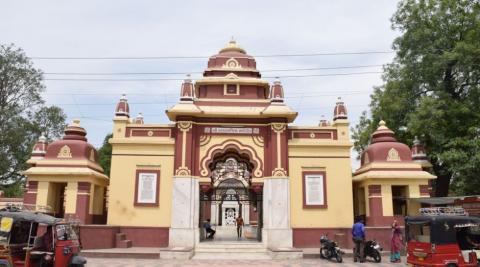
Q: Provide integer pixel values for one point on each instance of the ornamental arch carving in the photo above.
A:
(227, 146)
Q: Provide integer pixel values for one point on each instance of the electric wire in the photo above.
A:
(204, 57)
(200, 72)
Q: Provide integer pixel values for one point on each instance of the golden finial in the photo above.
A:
(232, 47)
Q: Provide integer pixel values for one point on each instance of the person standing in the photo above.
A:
(358, 235)
(239, 223)
(396, 243)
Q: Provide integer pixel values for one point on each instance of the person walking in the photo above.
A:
(358, 235)
(396, 243)
(239, 223)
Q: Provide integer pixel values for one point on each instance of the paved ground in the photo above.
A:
(93, 262)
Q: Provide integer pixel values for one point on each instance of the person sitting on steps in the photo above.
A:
(208, 229)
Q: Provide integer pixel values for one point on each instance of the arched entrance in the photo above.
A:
(230, 194)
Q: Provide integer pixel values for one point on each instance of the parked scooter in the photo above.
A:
(329, 249)
(372, 249)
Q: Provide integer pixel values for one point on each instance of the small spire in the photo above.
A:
(139, 118)
(340, 111)
(276, 91)
(277, 81)
(187, 89)
(42, 137)
(123, 108)
(416, 141)
(323, 121)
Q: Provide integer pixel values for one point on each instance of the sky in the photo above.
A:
(141, 28)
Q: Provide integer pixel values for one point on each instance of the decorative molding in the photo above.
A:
(278, 127)
(232, 63)
(65, 153)
(393, 155)
(184, 126)
(241, 148)
(279, 172)
(204, 140)
(258, 140)
(183, 171)
(150, 133)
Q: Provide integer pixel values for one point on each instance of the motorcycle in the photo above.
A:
(372, 249)
(329, 249)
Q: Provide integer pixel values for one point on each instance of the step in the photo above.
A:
(243, 246)
(231, 256)
(120, 236)
(124, 244)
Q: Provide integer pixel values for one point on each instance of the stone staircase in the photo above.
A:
(121, 241)
(231, 250)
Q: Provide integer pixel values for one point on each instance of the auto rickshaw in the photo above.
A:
(21, 246)
(442, 237)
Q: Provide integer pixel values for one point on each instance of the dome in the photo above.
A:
(384, 147)
(232, 59)
(73, 145)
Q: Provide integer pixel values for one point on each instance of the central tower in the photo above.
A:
(231, 109)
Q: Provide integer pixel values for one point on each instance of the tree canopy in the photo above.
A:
(105, 155)
(23, 114)
(432, 89)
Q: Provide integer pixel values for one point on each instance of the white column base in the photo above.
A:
(277, 232)
(185, 211)
(277, 238)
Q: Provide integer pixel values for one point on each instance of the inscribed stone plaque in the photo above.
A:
(147, 188)
(314, 190)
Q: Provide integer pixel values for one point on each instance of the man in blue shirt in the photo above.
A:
(358, 234)
(208, 229)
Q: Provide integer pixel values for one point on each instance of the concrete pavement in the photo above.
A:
(97, 262)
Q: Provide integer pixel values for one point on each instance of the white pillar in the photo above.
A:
(213, 213)
(246, 213)
(277, 232)
(185, 212)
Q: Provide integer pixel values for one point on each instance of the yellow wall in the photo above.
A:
(121, 209)
(338, 184)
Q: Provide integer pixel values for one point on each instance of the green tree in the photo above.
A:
(105, 154)
(432, 89)
(23, 116)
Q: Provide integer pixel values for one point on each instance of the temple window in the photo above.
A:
(231, 89)
(399, 199)
(147, 186)
(314, 189)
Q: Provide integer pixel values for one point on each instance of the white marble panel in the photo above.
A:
(185, 212)
(277, 232)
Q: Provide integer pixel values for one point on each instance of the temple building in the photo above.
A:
(65, 177)
(230, 150)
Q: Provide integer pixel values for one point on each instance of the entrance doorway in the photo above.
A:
(229, 195)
